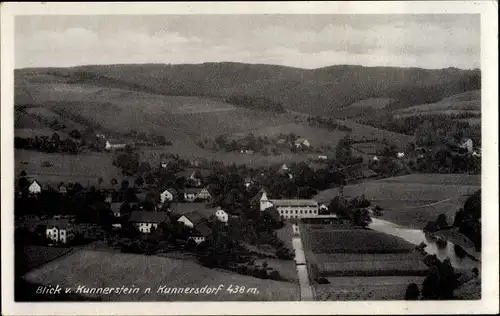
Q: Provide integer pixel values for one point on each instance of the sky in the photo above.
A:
(304, 41)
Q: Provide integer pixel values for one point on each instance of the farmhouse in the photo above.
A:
(167, 195)
(322, 157)
(302, 142)
(193, 175)
(467, 144)
(208, 214)
(401, 155)
(180, 209)
(116, 209)
(63, 189)
(115, 144)
(60, 230)
(192, 194)
(290, 208)
(199, 223)
(148, 221)
(35, 187)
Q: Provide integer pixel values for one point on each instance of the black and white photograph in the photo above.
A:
(248, 158)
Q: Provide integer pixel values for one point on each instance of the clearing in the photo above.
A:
(413, 200)
(101, 269)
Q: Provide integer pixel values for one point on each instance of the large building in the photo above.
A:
(290, 208)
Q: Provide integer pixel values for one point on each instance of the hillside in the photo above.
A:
(318, 91)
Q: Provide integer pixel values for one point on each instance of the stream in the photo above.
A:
(417, 236)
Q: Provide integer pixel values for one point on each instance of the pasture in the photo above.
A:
(467, 101)
(365, 288)
(102, 269)
(360, 241)
(372, 103)
(413, 200)
(84, 168)
(33, 257)
(390, 264)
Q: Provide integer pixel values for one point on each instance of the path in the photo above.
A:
(306, 291)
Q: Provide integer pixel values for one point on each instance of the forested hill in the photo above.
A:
(322, 91)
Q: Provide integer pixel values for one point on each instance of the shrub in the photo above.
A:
(412, 292)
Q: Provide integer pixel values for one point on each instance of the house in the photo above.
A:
(248, 182)
(322, 157)
(221, 215)
(116, 209)
(302, 142)
(167, 195)
(401, 155)
(163, 164)
(284, 167)
(476, 154)
(146, 222)
(290, 208)
(323, 208)
(467, 144)
(60, 230)
(180, 209)
(112, 144)
(193, 175)
(35, 187)
(200, 232)
(63, 189)
(375, 158)
(192, 194)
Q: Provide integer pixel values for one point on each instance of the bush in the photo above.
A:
(275, 275)
(412, 292)
(322, 280)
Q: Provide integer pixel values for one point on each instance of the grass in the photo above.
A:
(365, 288)
(101, 269)
(352, 241)
(374, 103)
(468, 101)
(370, 264)
(84, 168)
(413, 200)
(36, 256)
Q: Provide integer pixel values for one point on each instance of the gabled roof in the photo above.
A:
(59, 222)
(148, 217)
(200, 215)
(114, 141)
(172, 191)
(194, 190)
(202, 229)
(185, 208)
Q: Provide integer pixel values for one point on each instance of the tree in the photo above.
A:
(412, 292)
(100, 181)
(75, 134)
(113, 182)
(441, 221)
(362, 218)
(139, 181)
(124, 186)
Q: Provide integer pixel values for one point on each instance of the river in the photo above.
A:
(417, 236)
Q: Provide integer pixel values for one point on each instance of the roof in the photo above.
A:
(172, 191)
(257, 196)
(148, 217)
(202, 228)
(294, 202)
(194, 190)
(185, 208)
(116, 141)
(200, 215)
(115, 207)
(59, 222)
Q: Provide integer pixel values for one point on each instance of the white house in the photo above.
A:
(375, 158)
(323, 207)
(146, 222)
(323, 157)
(476, 154)
(60, 230)
(302, 142)
(468, 144)
(167, 195)
(284, 167)
(401, 155)
(35, 188)
(115, 144)
(191, 194)
(221, 215)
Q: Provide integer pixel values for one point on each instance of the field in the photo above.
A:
(36, 256)
(365, 288)
(415, 199)
(340, 264)
(372, 103)
(101, 269)
(352, 241)
(467, 101)
(84, 168)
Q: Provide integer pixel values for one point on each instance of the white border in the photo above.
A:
(489, 64)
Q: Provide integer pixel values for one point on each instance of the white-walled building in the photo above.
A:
(167, 195)
(148, 221)
(290, 208)
(468, 144)
(60, 231)
(35, 187)
(191, 194)
(115, 144)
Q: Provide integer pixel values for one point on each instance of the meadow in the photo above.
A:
(413, 200)
(467, 101)
(365, 288)
(102, 269)
(84, 168)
